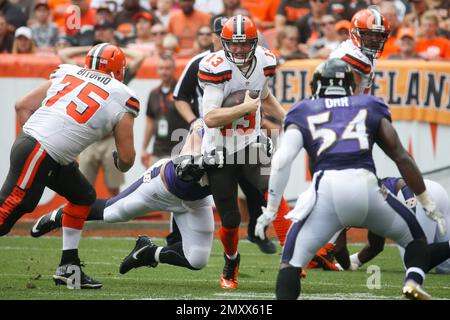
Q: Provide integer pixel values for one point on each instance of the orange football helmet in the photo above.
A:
(239, 39)
(369, 31)
(108, 59)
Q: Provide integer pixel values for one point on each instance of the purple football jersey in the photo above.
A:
(189, 191)
(339, 133)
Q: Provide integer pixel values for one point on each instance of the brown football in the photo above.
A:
(238, 97)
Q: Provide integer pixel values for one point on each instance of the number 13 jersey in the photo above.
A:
(81, 107)
(216, 70)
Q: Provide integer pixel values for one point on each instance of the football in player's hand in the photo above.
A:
(238, 97)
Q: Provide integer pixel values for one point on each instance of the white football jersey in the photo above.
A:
(351, 54)
(216, 70)
(81, 107)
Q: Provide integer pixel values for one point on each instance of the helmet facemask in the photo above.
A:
(372, 42)
(239, 50)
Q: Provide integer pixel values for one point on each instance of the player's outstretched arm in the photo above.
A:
(123, 135)
(389, 142)
(32, 101)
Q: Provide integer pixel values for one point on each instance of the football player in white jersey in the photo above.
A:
(369, 32)
(60, 118)
(242, 64)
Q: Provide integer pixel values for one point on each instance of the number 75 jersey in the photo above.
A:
(339, 133)
(81, 107)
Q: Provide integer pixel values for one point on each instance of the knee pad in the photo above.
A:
(198, 257)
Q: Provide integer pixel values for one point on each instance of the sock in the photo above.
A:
(439, 252)
(174, 255)
(354, 259)
(288, 284)
(230, 239)
(71, 238)
(97, 210)
(417, 260)
(69, 257)
(280, 224)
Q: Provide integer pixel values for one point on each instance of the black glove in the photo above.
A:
(187, 168)
(214, 159)
(266, 144)
(115, 156)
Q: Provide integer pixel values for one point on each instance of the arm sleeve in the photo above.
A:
(212, 98)
(291, 144)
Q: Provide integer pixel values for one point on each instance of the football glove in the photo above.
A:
(263, 221)
(213, 159)
(187, 169)
(432, 211)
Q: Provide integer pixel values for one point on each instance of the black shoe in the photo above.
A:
(266, 245)
(66, 275)
(46, 223)
(142, 255)
(229, 276)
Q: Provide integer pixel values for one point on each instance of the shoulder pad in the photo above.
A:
(214, 68)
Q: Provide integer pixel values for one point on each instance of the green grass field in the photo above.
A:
(27, 264)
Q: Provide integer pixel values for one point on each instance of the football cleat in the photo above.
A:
(47, 223)
(266, 245)
(67, 275)
(229, 276)
(139, 256)
(413, 291)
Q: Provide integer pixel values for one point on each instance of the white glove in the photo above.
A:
(432, 212)
(263, 221)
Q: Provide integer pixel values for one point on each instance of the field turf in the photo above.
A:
(27, 265)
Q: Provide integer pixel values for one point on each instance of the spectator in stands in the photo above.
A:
(344, 9)
(213, 7)
(45, 33)
(287, 45)
(23, 41)
(330, 40)
(104, 12)
(58, 9)
(170, 45)
(144, 40)
(62, 42)
(164, 10)
(14, 15)
(78, 17)
(263, 12)
(27, 7)
(185, 23)
(412, 20)
(389, 10)
(229, 6)
(406, 43)
(430, 45)
(124, 18)
(309, 25)
(290, 11)
(6, 37)
(343, 30)
(203, 41)
(400, 7)
(162, 116)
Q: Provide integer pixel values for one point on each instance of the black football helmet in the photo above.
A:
(332, 78)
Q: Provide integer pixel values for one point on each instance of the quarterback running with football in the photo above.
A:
(338, 130)
(61, 118)
(241, 65)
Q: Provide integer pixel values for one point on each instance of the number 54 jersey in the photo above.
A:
(339, 133)
(81, 107)
(216, 70)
